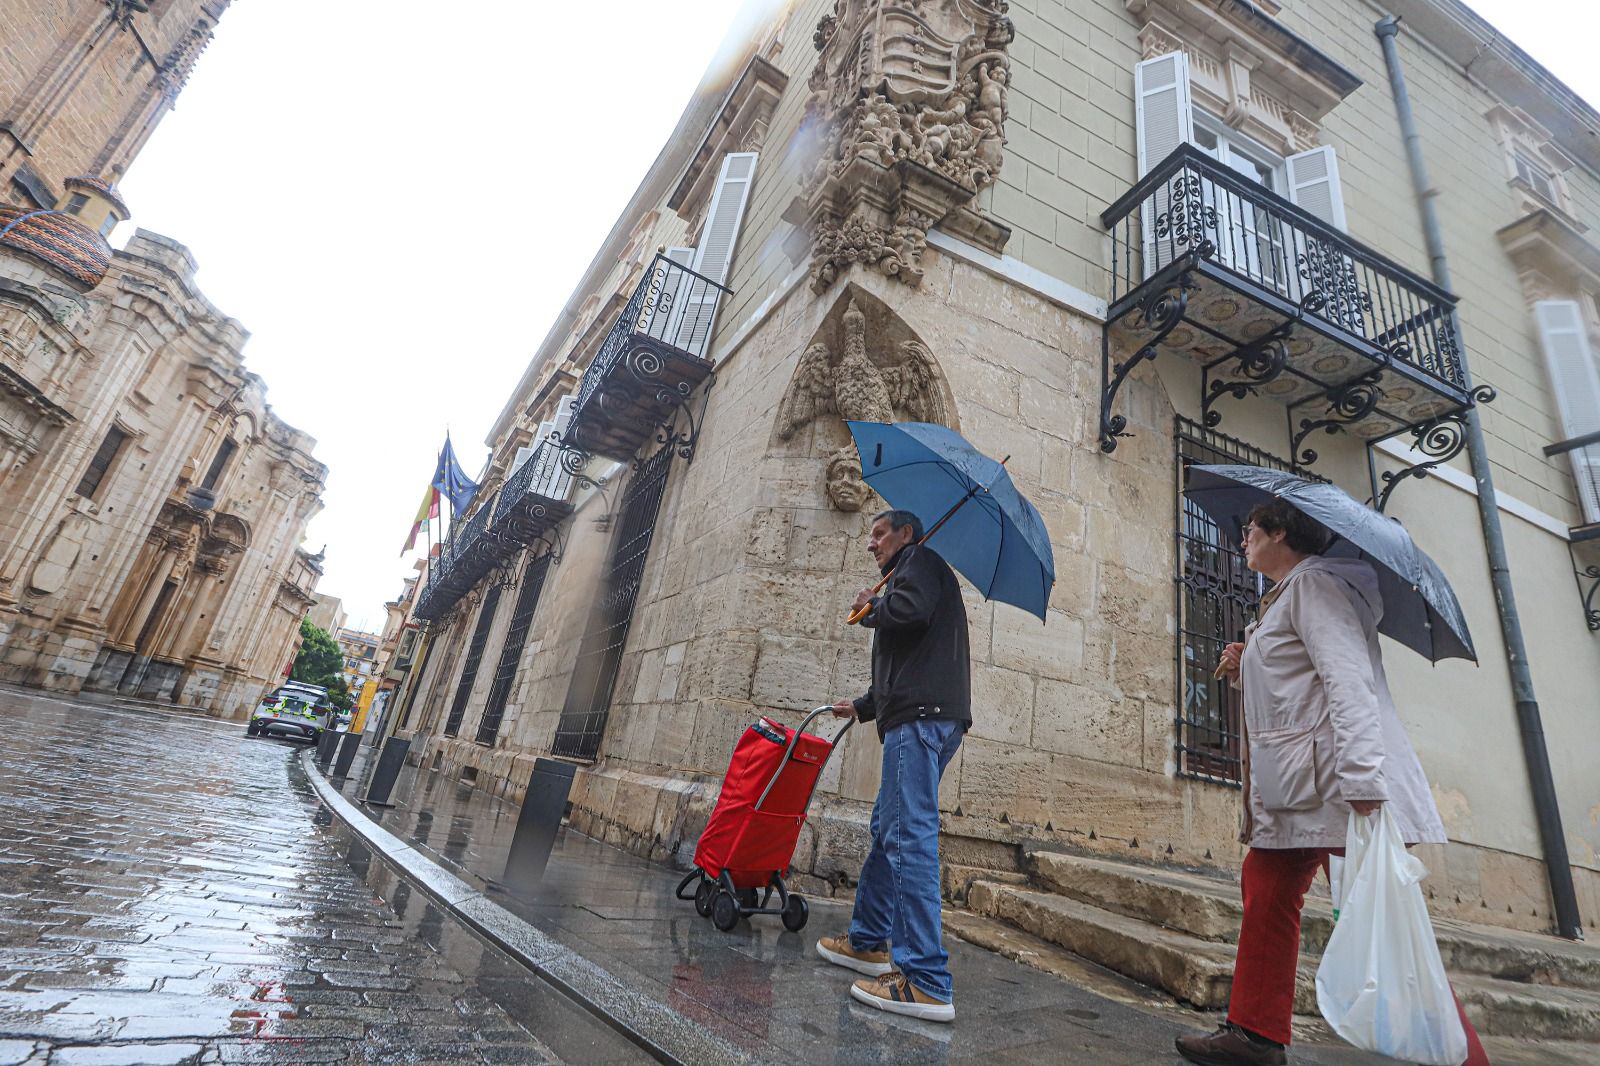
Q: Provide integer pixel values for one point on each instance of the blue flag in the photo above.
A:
(451, 480)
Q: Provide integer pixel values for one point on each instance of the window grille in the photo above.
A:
(505, 673)
(469, 669)
(583, 718)
(1217, 598)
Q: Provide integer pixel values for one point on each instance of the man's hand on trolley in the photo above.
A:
(844, 709)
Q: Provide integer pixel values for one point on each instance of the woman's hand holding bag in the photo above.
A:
(1381, 983)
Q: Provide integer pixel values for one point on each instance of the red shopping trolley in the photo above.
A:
(749, 841)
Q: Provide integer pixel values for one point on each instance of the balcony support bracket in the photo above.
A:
(1258, 363)
(574, 460)
(1591, 596)
(685, 440)
(1439, 441)
(1347, 404)
(1160, 312)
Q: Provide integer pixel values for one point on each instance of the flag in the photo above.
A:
(428, 510)
(453, 481)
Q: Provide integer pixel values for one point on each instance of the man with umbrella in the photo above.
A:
(1322, 733)
(921, 700)
(921, 691)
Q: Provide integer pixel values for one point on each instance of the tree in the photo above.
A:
(320, 662)
(339, 694)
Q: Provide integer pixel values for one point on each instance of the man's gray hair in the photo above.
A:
(898, 520)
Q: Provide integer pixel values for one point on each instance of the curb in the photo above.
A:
(665, 1034)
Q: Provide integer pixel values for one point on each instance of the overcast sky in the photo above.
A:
(396, 200)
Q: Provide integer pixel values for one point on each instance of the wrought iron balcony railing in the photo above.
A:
(1271, 300)
(1584, 452)
(470, 553)
(650, 362)
(536, 496)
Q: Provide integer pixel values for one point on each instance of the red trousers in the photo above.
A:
(1275, 883)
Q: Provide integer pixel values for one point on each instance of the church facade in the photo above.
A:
(154, 506)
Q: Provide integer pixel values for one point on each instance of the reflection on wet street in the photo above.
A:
(170, 897)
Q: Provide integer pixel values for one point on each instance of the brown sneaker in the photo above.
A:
(837, 950)
(893, 992)
(1231, 1046)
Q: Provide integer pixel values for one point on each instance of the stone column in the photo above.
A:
(203, 586)
(147, 602)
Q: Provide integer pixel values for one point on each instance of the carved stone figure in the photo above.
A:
(843, 484)
(909, 97)
(857, 382)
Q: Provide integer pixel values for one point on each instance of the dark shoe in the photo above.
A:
(1231, 1046)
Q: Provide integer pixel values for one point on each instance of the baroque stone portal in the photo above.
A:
(908, 99)
(840, 374)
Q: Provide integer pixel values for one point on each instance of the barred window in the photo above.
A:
(1217, 598)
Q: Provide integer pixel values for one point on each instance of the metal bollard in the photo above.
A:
(326, 742)
(390, 763)
(347, 753)
(542, 808)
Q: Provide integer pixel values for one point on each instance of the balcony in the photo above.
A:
(649, 364)
(537, 496)
(1584, 539)
(533, 500)
(464, 560)
(1271, 301)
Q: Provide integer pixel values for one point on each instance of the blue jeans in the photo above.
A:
(897, 898)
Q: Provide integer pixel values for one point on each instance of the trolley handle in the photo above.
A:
(794, 741)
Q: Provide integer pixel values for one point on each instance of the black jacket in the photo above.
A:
(921, 662)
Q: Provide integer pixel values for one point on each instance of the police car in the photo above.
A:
(294, 710)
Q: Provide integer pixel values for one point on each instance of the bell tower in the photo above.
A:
(85, 85)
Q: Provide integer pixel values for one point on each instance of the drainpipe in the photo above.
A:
(1534, 752)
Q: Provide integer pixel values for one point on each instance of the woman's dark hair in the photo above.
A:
(1305, 535)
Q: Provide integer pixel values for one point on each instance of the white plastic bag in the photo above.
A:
(1381, 984)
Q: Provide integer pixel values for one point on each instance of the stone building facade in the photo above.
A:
(155, 506)
(1110, 240)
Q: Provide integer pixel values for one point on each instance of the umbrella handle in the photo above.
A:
(861, 612)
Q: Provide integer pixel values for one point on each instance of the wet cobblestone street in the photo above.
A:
(168, 896)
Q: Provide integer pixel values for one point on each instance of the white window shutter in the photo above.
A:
(1314, 185)
(713, 256)
(1163, 119)
(1575, 381)
(660, 319)
(1162, 110)
(552, 479)
(522, 457)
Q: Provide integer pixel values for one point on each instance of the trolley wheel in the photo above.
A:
(795, 913)
(724, 912)
(702, 898)
(749, 898)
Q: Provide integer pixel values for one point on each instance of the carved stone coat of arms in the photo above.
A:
(909, 105)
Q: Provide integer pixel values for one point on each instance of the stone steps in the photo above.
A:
(1208, 908)
(1175, 930)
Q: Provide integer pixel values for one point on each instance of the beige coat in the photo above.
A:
(1320, 725)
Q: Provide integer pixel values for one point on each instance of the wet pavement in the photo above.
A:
(762, 990)
(167, 895)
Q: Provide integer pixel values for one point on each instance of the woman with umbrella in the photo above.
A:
(1323, 739)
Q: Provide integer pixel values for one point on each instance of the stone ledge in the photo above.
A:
(665, 1034)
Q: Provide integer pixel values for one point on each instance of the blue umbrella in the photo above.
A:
(1420, 609)
(983, 527)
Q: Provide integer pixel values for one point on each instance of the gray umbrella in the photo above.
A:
(1420, 609)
